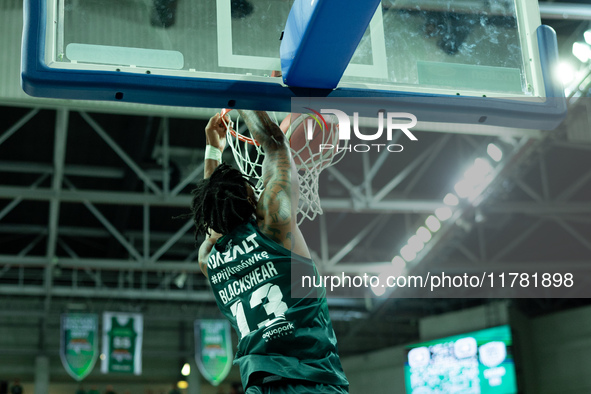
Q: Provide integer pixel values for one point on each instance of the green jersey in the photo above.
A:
(251, 278)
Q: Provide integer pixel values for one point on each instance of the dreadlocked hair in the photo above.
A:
(220, 202)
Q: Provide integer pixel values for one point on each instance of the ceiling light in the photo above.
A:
(398, 265)
(380, 290)
(451, 199)
(478, 172)
(180, 280)
(408, 253)
(494, 152)
(443, 213)
(415, 243)
(566, 73)
(424, 234)
(186, 371)
(582, 51)
(463, 188)
(432, 223)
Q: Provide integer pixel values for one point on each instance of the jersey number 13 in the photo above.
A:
(274, 306)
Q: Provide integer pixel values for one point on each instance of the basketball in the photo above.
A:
(309, 152)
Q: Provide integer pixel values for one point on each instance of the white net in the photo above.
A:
(311, 156)
(248, 155)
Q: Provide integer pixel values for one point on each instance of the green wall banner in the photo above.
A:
(213, 349)
(122, 343)
(79, 343)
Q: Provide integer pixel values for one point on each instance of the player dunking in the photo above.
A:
(287, 345)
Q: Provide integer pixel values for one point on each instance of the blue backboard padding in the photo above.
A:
(39, 80)
(320, 38)
(548, 49)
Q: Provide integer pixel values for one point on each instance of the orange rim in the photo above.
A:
(236, 134)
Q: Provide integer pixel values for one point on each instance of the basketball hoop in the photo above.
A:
(313, 148)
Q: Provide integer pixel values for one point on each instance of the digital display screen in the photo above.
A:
(472, 363)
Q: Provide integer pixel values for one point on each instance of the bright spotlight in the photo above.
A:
(408, 253)
(378, 291)
(587, 36)
(451, 199)
(424, 234)
(566, 73)
(478, 172)
(433, 223)
(443, 213)
(182, 384)
(494, 152)
(463, 188)
(381, 289)
(180, 280)
(582, 51)
(186, 371)
(415, 243)
(398, 265)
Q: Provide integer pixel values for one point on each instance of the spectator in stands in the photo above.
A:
(16, 387)
(110, 390)
(236, 388)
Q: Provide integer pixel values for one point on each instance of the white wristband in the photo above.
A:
(213, 153)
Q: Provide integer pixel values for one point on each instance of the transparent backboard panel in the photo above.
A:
(458, 45)
(442, 46)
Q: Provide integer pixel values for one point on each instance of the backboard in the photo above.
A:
(223, 53)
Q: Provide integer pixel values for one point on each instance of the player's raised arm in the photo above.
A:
(215, 137)
(275, 203)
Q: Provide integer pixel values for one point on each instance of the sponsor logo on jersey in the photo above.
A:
(226, 272)
(232, 252)
(229, 245)
(277, 328)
